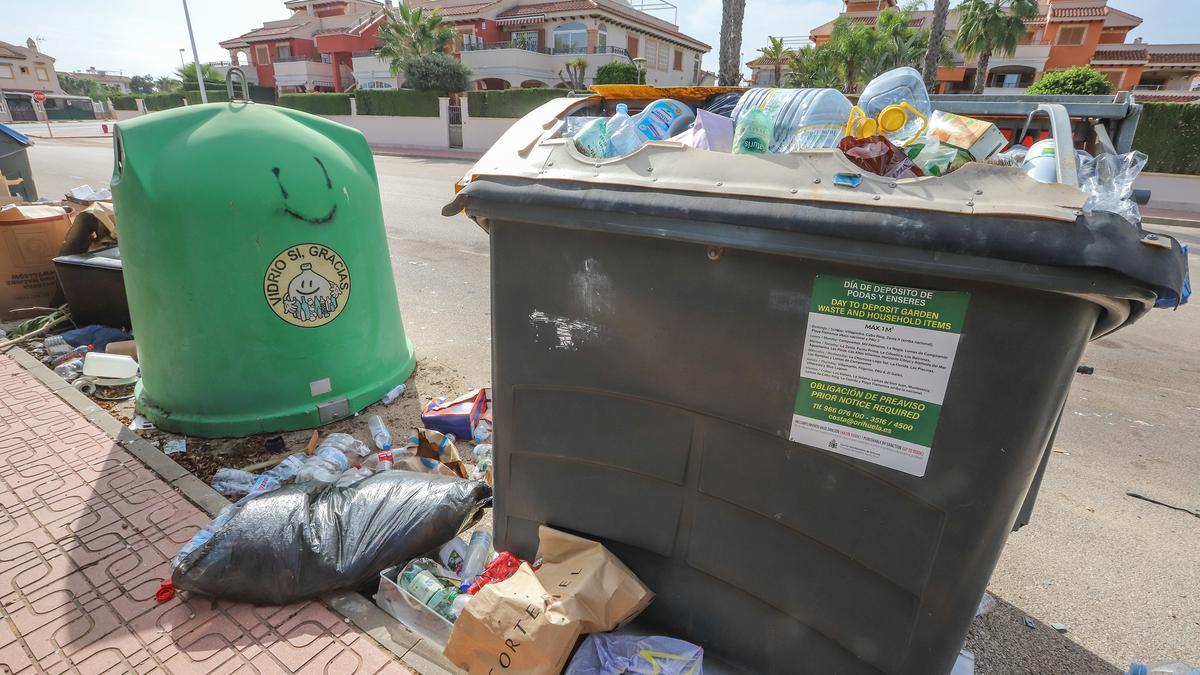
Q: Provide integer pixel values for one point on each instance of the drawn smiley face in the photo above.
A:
(293, 211)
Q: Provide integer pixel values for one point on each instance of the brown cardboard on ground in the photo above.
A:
(126, 347)
(529, 622)
(30, 237)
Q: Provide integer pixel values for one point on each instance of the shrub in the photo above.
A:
(171, 99)
(317, 104)
(214, 96)
(401, 102)
(1080, 80)
(436, 72)
(124, 102)
(1170, 134)
(509, 102)
(617, 72)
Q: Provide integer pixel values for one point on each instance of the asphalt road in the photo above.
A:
(1120, 573)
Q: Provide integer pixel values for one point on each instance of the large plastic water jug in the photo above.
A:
(257, 269)
(894, 88)
(658, 121)
(804, 118)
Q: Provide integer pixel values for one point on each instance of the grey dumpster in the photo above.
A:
(805, 415)
(14, 162)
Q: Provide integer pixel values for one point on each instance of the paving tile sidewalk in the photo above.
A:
(86, 535)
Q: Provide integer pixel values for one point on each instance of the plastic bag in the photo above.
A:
(1107, 179)
(933, 157)
(879, 156)
(710, 132)
(614, 654)
(300, 541)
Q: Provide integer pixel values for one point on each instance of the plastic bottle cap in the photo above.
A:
(892, 119)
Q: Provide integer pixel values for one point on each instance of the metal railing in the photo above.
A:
(1147, 87)
(315, 58)
(552, 51)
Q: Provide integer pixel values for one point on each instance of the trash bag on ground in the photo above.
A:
(300, 541)
(615, 654)
(879, 156)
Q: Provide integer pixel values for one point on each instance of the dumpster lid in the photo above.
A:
(15, 135)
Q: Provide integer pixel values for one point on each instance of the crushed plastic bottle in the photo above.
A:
(235, 482)
(70, 370)
(379, 432)
(1173, 668)
(288, 468)
(423, 579)
(346, 444)
(899, 94)
(56, 345)
(379, 461)
(804, 119)
(753, 133)
(393, 394)
(479, 551)
(483, 461)
(323, 467)
(592, 139)
(482, 432)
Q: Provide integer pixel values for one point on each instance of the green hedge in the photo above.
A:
(124, 102)
(166, 101)
(1169, 133)
(399, 102)
(317, 104)
(214, 96)
(509, 102)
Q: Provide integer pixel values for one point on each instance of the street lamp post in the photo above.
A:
(181, 63)
(639, 62)
(195, 54)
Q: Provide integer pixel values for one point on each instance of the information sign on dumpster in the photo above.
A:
(876, 361)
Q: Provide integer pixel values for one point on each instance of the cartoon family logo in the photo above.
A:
(307, 285)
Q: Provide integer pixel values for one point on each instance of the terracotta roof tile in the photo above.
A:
(263, 33)
(1168, 96)
(1176, 57)
(917, 22)
(547, 7)
(1122, 55)
(462, 10)
(1078, 12)
(7, 53)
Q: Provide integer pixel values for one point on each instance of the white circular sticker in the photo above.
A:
(307, 285)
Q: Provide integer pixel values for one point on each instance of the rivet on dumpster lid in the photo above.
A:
(714, 252)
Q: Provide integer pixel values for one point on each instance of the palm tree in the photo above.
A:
(988, 27)
(732, 14)
(776, 53)
(853, 48)
(163, 84)
(937, 35)
(412, 32)
(897, 43)
(813, 66)
(187, 73)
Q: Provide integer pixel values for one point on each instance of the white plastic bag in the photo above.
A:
(616, 654)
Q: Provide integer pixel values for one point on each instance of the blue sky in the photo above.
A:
(144, 36)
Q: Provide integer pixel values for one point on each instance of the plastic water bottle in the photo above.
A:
(379, 461)
(234, 482)
(71, 354)
(483, 431)
(592, 139)
(346, 444)
(483, 461)
(70, 370)
(288, 468)
(379, 432)
(893, 89)
(394, 393)
(453, 554)
(420, 578)
(1174, 668)
(56, 345)
(753, 133)
(323, 467)
(620, 142)
(478, 553)
(804, 119)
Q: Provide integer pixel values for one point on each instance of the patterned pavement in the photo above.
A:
(86, 535)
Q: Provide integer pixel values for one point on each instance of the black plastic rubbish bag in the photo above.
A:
(300, 541)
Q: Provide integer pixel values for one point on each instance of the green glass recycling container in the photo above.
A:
(257, 269)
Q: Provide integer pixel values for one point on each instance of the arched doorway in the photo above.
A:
(533, 84)
(491, 83)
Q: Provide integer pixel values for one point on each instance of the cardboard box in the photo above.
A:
(30, 237)
(977, 138)
(458, 416)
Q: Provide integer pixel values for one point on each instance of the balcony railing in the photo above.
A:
(1148, 87)
(553, 51)
(315, 58)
